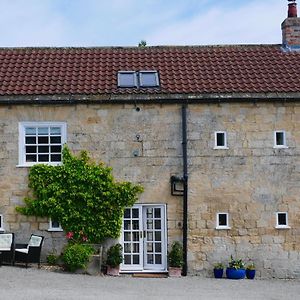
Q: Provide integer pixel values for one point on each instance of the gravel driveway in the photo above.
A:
(20, 283)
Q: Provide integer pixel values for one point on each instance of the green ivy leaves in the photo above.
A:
(81, 195)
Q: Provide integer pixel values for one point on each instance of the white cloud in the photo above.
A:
(126, 22)
(255, 22)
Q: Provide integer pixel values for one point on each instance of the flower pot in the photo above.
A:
(218, 273)
(174, 272)
(232, 273)
(250, 274)
(113, 271)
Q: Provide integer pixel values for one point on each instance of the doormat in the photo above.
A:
(150, 275)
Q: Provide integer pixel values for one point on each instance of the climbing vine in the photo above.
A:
(82, 195)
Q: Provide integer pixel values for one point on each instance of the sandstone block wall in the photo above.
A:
(250, 181)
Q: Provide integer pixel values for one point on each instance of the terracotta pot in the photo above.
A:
(174, 272)
(113, 271)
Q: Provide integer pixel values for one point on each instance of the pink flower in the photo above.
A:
(84, 238)
(69, 235)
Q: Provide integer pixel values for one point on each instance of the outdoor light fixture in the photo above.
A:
(177, 186)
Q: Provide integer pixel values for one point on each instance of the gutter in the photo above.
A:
(185, 189)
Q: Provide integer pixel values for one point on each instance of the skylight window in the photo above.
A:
(139, 79)
(127, 79)
(148, 78)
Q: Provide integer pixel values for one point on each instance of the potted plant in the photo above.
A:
(175, 258)
(235, 269)
(114, 259)
(218, 270)
(250, 271)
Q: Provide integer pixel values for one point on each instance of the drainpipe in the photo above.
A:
(185, 189)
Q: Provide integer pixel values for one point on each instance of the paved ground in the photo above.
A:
(20, 283)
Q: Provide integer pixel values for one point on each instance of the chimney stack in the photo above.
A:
(291, 28)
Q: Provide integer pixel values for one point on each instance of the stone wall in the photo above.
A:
(250, 181)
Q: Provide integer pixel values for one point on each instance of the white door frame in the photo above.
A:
(141, 248)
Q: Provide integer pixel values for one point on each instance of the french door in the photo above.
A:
(144, 238)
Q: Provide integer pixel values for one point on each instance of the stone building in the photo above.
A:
(211, 132)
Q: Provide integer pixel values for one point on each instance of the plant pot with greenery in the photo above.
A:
(175, 258)
(114, 259)
(250, 271)
(235, 269)
(218, 270)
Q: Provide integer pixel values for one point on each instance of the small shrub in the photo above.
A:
(114, 256)
(52, 259)
(175, 256)
(251, 266)
(218, 266)
(76, 256)
(236, 263)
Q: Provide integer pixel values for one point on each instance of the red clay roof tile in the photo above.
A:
(203, 69)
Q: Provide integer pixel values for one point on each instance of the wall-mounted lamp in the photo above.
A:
(177, 186)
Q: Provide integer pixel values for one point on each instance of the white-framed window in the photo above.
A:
(41, 142)
(280, 139)
(54, 225)
(282, 220)
(1, 223)
(220, 140)
(127, 79)
(222, 221)
(148, 79)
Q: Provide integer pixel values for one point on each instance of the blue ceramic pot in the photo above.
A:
(232, 273)
(218, 273)
(250, 274)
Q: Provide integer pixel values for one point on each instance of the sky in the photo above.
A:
(88, 23)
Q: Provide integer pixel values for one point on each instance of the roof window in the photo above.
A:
(139, 79)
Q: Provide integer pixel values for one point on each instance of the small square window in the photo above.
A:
(279, 139)
(282, 220)
(127, 79)
(54, 225)
(1, 223)
(222, 221)
(148, 79)
(220, 140)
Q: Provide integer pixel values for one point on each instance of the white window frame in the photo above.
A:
(280, 226)
(51, 228)
(22, 153)
(225, 140)
(284, 139)
(134, 74)
(143, 85)
(218, 226)
(1, 223)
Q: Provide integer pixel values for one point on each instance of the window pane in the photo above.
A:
(127, 225)
(158, 259)
(282, 219)
(127, 248)
(135, 224)
(43, 131)
(157, 213)
(222, 220)
(157, 247)
(43, 140)
(43, 158)
(55, 139)
(135, 213)
(149, 224)
(126, 79)
(136, 248)
(149, 236)
(30, 140)
(220, 139)
(127, 213)
(136, 259)
(149, 247)
(30, 158)
(148, 79)
(55, 130)
(135, 236)
(30, 131)
(55, 149)
(43, 149)
(55, 157)
(127, 236)
(157, 224)
(150, 258)
(149, 212)
(55, 224)
(158, 236)
(127, 259)
(31, 149)
(279, 138)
